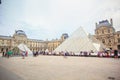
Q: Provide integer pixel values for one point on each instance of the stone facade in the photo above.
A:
(105, 32)
(10, 42)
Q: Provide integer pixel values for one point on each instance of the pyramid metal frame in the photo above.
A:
(80, 41)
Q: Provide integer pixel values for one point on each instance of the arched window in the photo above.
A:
(118, 35)
(102, 31)
(103, 41)
(108, 30)
(97, 32)
(109, 41)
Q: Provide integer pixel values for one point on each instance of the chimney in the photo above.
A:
(111, 21)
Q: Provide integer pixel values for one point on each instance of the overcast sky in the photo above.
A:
(48, 19)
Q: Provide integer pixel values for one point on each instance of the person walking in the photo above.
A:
(115, 53)
(23, 54)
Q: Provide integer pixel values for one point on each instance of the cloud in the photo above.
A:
(50, 18)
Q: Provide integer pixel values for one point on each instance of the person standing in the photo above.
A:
(26, 54)
(115, 54)
(9, 53)
(3, 54)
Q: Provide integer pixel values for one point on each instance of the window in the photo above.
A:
(108, 30)
(118, 47)
(96, 32)
(103, 41)
(102, 31)
(118, 40)
(109, 41)
(110, 48)
(118, 35)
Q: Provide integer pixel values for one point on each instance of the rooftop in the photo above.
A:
(20, 32)
(5, 37)
(104, 23)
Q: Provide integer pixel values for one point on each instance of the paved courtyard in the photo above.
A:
(59, 68)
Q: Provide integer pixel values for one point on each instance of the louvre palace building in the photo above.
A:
(104, 32)
(11, 42)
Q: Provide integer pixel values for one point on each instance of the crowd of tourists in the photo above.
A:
(7, 53)
(10, 53)
(112, 53)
